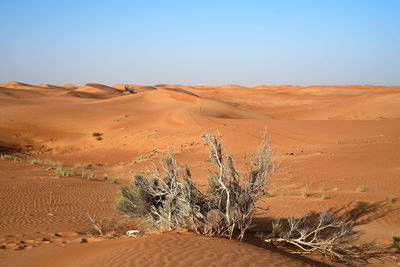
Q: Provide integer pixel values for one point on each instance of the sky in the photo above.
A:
(248, 42)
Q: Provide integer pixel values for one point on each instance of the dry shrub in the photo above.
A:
(320, 232)
(169, 198)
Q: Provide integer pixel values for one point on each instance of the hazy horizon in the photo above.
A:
(209, 42)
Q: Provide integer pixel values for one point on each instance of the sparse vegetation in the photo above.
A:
(9, 157)
(304, 193)
(319, 233)
(129, 89)
(112, 181)
(98, 136)
(96, 225)
(51, 163)
(268, 194)
(5, 156)
(88, 175)
(81, 165)
(169, 199)
(276, 227)
(390, 199)
(361, 188)
(61, 172)
(396, 241)
(143, 157)
(35, 161)
(324, 197)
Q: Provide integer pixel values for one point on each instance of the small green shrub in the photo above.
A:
(129, 89)
(390, 199)
(35, 161)
(277, 227)
(88, 175)
(268, 194)
(9, 157)
(61, 172)
(5, 156)
(51, 163)
(396, 241)
(324, 197)
(98, 136)
(361, 188)
(304, 193)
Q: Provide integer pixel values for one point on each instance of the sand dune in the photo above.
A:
(14, 84)
(138, 88)
(330, 140)
(70, 86)
(97, 91)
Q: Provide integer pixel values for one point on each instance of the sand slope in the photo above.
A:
(156, 250)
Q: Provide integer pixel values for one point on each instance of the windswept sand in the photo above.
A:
(330, 141)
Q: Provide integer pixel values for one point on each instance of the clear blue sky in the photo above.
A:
(201, 42)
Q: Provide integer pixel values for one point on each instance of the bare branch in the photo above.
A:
(326, 235)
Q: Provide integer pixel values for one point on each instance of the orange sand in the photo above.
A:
(330, 140)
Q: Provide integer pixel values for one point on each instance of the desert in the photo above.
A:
(199, 133)
(66, 149)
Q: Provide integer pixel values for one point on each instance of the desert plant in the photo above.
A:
(324, 197)
(236, 201)
(5, 156)
(96, 225)
(361, 188)
(88, 175)
(143, 157)
(396, 241)
(61, 172)
(268, 194)
(51, 163)
(129, 89)
(390, 199)
(81, 165)
(35, 161)
(97, 135)
(323, 234)
(9, 157)
(170, 199)
(304, 193)
(276, 227)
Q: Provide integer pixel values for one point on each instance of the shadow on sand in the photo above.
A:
(359, 213)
